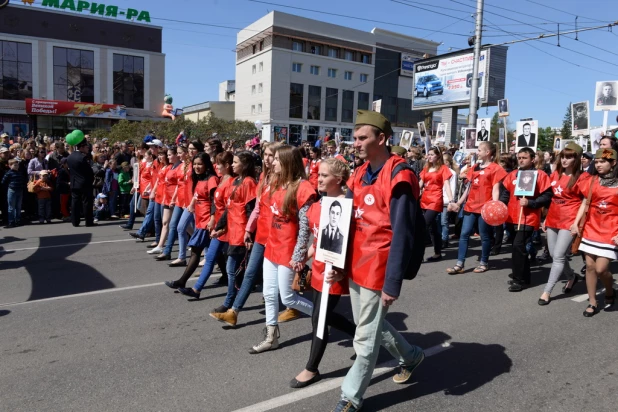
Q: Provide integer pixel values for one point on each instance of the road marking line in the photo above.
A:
(329, 384)
(96, 292)
(73, 244)
(584, 297)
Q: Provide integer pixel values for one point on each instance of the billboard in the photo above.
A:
(75, 109)
(446, 80)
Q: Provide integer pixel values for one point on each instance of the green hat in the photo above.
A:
(575, 147)
(398, 150)
(608, 154)
(368, 117)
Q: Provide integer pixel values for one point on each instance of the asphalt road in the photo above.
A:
(86, 325)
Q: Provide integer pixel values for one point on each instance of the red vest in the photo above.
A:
(263, 223)
(371, 223)
(237, 217)
(203, 202)
(222, 193)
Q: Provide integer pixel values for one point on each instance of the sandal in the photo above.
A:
(609, 300)
(455, 270)
(595, 310)
(481, 269)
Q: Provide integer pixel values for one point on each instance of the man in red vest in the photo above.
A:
(382, 235)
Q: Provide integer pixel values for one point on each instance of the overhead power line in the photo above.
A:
(562, 11)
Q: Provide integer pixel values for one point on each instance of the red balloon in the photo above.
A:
(494, 213)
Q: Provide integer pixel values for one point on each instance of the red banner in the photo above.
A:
(75, 109)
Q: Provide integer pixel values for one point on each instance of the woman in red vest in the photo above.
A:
(332, 177)
(600, 234)
(434, 180)
(286, 247)
(158, 190)
(169, 196)
(314, 166)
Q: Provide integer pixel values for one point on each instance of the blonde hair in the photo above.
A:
(268, 174)
(338, 169)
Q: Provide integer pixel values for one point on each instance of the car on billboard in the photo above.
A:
(427, 85)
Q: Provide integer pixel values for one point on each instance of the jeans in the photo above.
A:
(559, 244)
(256, 261)
(467, 229)
(158, 220)
(278, 280)
(444, 223)
(372, 330)
(173, 230)
(44, 209)
(14, 198)
(131, 220)
(521, 262)
(186, 220)
(112, 195)
(148, 221)
(215, 248)
(432, 228)
(233, 263)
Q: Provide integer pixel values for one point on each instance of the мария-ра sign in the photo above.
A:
(97, 8)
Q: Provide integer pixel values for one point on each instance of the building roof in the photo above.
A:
(202, 106)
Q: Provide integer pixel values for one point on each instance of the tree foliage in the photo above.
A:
(166, 131)
(546, 139)
(566, 131)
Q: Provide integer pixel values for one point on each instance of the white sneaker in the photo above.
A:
(155, 251)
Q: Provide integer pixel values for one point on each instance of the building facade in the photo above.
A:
(62, 71)
(197, 112)
(303, 77)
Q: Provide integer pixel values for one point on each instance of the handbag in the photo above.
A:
(31, 184)
(578, 238)
(302, 280)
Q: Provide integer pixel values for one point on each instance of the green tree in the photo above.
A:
(566, 131)
(546, 139)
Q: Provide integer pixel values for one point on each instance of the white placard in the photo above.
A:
(335, 229)
(441, 133)
(407, 136)
(483, 128)
(527, 133)
(580, 118)
(605, 96)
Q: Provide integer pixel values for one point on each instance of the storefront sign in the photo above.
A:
(75, 109)
(97, 8)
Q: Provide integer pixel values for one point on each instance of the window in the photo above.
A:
(295, 134)
(332, 73)
(297, 46)
(349, 55)
(312, 133)
(253, 69)
(297, 67)
(314, 103)
(347, 106)
(253, 109)
(332, 96)
(296, 100)
(333, 53)
(260, 88)
(363, 101)
(261, 45)
(254, 48)
(348, 75)
(315, 70)
(74, 75)
(15, 70)
(346, 134)
(365, 58)
(316, 49)
(260, 108)
(253, 89)
(363, 78)
(261, 67)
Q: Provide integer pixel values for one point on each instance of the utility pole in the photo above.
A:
(474, 90)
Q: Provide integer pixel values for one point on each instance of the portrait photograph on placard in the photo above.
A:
(482, 130)
(580, 118)
(595, 139)
(441, 133)
(526, 182)
(527, 132)
(503, 108)
(565, 142)
(605, 96)
(421, 129)
(406, 139)
(557, 143)
(501, 133)
(334, 229)
(471, 140)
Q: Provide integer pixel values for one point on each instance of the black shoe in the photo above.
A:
(163, 257)
(444, 244)
(92, 224)
(543, 302)
(434, 258)
(136, 235)
(296, 384)
(125, 227)
(221, 309)
(494, 252)
(516, 287)
(595, 310)
(189, 292)
(511, 276)
(568, 290)
(173, 284)
(177, 264)
(583, 270)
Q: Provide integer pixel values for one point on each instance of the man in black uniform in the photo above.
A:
(82, 178)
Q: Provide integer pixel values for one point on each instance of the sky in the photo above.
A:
(542, 78)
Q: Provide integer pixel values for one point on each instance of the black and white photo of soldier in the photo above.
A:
(579, 114)
(332, 238)
(607, 94)
(482, 133)
(421, 129)
(503, 107)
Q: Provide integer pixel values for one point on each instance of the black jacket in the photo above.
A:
(81, 172)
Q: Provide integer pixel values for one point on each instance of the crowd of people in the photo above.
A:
(253, 211)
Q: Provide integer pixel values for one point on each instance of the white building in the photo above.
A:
(227, 91)
(303, 77)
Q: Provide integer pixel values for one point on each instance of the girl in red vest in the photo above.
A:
(314, 166)
(332, 176)
(434, 179)
(600, 234)
(286, 247)
(169, 196)
(156, 195)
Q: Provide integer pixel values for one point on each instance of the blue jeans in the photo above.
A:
(148, 220)
(158, 220)
(14, 198)
(256, 260)
(186, 220)
(444, 223)
(372, 330)
(278, 281)
(44, 209)
(467, 228)
(173, 230)
(216, 247)
(131, 220)
(233, 263)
